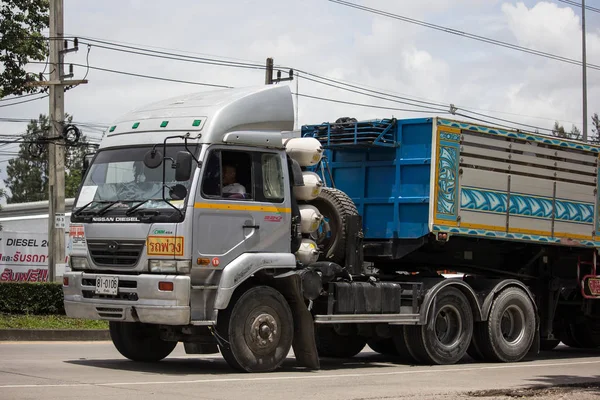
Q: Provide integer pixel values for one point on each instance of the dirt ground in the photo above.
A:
(587, 391)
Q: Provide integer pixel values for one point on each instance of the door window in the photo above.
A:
(228, 174)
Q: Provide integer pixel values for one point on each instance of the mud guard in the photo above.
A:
(304, 344)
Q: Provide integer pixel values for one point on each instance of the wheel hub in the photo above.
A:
(512, 324)
(448, 325)
(264, 332)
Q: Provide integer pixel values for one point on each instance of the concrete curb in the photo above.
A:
(53, 334)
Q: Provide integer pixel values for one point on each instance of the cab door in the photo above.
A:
(227, 223)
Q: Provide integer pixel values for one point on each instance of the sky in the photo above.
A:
(338, 42)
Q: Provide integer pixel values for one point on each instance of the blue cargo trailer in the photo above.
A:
(509, 209)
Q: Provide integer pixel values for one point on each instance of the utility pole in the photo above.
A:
(56, 157)
(269, 72)
(56, 144)
(584, 62)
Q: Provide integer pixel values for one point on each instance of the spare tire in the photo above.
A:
(335, 206)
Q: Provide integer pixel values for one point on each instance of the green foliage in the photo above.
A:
(41, 298)
(595, 137)
(27, 175)
(21, 41)
(559, 131)
(28, 321)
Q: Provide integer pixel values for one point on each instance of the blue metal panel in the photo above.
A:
(384, 166)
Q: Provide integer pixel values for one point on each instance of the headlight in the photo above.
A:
(170, 266)
(79, 263)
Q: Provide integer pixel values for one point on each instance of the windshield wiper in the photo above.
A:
(141, 203)
(138, 205)
(80, 209)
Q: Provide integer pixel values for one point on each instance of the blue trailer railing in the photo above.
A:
(348, 131)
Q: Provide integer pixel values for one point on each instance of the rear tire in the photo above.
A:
(335, 206)
(581, 335)
(332, 344)
(509, 332)
(447, 335)
(259, 329)
(139, 342)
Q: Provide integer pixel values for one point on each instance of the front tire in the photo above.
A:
(259, 328)
(509, 332)
(139, 342)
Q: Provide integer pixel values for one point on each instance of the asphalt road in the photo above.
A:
(95, 370)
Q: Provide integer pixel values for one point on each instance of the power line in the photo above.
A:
(24, 101)
(573, 3)
(19, 97)
(148, 76)
(178, 57)
(168, 55)
(465, 34)
(360, 104)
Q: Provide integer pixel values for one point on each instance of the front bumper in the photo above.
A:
(138, 299)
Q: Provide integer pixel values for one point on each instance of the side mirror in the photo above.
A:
(153, 159)
(178, 192)
(85, 164)
(183, 170)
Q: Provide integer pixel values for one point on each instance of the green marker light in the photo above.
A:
(135, 125)
(197, 122)
(112, 128)
(164, 124)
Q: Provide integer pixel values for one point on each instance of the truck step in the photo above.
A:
(393, 319)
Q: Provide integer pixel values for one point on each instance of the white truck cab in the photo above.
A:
(184, 200)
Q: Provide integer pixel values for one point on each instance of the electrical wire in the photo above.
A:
(151, 76)
(360, 104)
(573, 3)
(167, 55)
(375, 96)
(19, 97)
(24, 101)
(464, 34)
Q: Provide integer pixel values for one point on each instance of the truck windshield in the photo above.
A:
(118, 180)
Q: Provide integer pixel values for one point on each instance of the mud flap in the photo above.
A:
(304, 344)
(534, 350)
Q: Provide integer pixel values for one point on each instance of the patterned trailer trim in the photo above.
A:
(502, 184)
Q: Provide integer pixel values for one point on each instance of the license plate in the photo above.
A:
(107, 285)
(594, 285)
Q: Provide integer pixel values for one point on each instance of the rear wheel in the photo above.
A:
(259, 328)
(509, 332)
(330, 343)
(447, 334)
(139, 342)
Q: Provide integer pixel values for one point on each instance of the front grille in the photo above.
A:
(110, 312)
(115, 253)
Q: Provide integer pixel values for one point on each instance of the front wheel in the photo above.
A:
(139, 342)
(258, 327)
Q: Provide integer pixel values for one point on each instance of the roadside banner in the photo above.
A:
(23, 257)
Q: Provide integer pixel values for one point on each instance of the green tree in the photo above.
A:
(559, 131)
(21, 41)
(27, 175)
(595, 136)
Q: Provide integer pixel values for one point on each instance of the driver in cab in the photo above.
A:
(231, 188)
